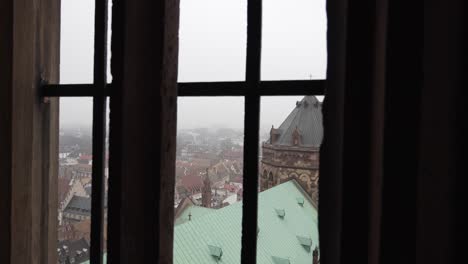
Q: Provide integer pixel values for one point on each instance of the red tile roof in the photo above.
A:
(191, 182)
(230, 188)
(238, 179)
(86, 157)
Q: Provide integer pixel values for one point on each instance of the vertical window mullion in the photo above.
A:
(99, 131)
(251, 138)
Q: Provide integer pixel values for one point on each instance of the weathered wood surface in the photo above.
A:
(30, 52)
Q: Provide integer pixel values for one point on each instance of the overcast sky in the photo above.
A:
(212, 48)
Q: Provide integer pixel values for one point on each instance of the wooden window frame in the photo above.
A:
(29, 57)
(251, 89)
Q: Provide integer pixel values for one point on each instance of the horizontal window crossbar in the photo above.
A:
(265, 88)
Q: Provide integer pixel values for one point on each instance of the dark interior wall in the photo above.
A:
(403, 88)
(351, 156)
(443, 141)
(6, 44)
(392, 161)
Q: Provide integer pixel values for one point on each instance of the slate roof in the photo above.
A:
(307, 117)
(79, 205)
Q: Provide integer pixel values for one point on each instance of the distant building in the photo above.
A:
(73, 251)
(78, 209)
(226, 170)
(68, 189)
(85, 159)
(81, 170)
(75, 231)
(292, 151)
(191, 184)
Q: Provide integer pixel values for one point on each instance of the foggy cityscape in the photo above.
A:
(209, 155)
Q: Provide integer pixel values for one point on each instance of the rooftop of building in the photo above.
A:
(306, 117)
(278, 237)
(72, 251)
(192, 212)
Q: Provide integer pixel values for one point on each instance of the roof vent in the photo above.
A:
(300, 201)
(280, 212)
(215, 252)
(278, 260)
(305, 242)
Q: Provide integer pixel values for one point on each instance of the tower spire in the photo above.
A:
(206, 192)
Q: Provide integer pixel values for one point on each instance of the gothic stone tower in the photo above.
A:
(206, 191)
(292, 151)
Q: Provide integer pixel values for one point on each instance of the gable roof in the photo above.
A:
(307, 117)
(277, 236)
(194, 211)
(191, 181)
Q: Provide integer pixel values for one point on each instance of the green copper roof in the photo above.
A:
(278, 260)
(305, 241)
(194, 211)
(278, 236)
(278, 242)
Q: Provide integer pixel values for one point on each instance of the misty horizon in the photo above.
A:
(293, 48)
